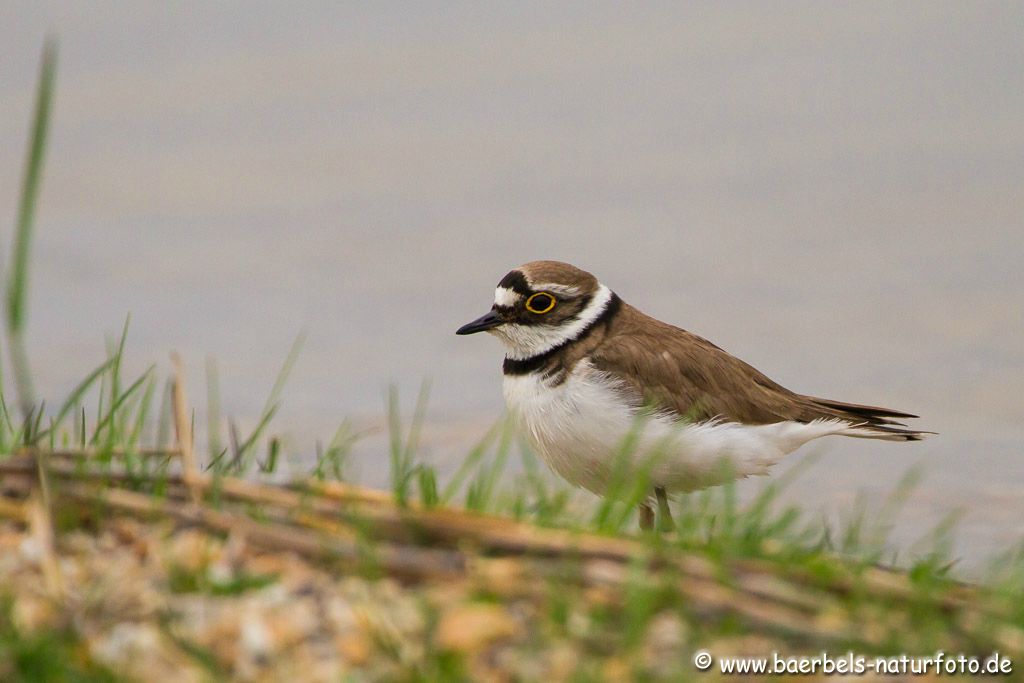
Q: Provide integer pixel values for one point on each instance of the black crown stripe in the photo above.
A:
(516, 281)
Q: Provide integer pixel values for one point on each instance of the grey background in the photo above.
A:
(832, 192)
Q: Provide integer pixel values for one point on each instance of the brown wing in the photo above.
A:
(669, 368)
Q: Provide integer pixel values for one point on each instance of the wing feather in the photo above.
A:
(670, 369)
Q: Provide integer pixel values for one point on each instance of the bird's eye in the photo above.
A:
(541, 302)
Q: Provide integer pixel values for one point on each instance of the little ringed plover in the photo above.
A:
(582, 368)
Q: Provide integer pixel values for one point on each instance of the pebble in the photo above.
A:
(467, 628)
(314, 622)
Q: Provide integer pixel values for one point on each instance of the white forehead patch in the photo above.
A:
(503, 296)
(565, 290)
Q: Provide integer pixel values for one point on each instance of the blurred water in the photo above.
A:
(833, 193)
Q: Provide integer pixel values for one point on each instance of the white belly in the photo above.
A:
(585, 431)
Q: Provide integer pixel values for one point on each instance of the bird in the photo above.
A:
(585, 373)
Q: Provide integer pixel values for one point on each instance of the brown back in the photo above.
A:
(668, 368)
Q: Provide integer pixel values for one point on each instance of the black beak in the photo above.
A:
(487, 321)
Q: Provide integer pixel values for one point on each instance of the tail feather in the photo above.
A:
(859, 409)
(888, 433)
(870, 422)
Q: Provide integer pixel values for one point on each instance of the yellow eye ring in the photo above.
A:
(550, 303)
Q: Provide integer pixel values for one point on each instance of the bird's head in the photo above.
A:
(541, 305)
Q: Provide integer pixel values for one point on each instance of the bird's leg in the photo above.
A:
(646, 516)
(666, 523)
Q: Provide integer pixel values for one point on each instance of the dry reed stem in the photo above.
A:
(376, 512)
(41, 526)
(404, 562)
(92, 453)
(415, 563)
(183, 428)
(316, 527)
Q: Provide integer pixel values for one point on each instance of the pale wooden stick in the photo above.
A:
(776, 603)
(348, 492)
(88, 453)
(183, 428)
(453, 527)
(405, 562)
(420, 563)
(41, 525)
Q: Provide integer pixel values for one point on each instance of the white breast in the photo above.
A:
(580, 428)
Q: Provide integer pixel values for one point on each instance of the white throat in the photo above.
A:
(527, 341)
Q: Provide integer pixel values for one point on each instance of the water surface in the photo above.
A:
(832, 193)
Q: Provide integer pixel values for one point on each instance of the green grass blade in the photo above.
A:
(471, 461)
(17, 282)
(212, 408)
(403, 449)
(163, 425)
(273, 451)
(419, 413)
(7, 427)
(427, 481)
(284, 373)
(335, 458)
(75, 397)
(135, 437)
(480, 493)
(110, 417)
(399, 468)
(260, 426)
(117, 353)
(241, 462)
